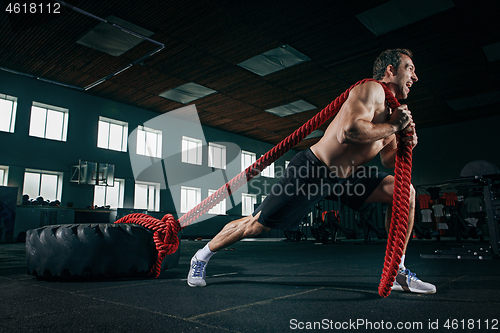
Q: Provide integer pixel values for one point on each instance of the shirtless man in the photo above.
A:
(334, 167)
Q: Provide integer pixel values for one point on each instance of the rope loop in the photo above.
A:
(164, 236)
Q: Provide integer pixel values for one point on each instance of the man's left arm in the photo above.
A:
(388, 153)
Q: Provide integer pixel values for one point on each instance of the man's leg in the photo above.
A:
(237, 230)
(383, 193)
(405, 280)
(411, 217)
(232, 232)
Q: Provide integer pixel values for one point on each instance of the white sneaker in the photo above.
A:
(408, 281)
(196, 276)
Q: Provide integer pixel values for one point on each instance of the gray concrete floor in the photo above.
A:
(259, 286)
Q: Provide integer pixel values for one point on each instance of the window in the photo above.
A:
(269, 171)
(191, 150)
(216, 156)
(47, 184)
(48, 122)
(8, 107)
(247, 159)
(220, 208)
(112, 134)
(147, 196)
(4, 175)
(190, 197)
(149, 142)
(248, 202)
(110, 195)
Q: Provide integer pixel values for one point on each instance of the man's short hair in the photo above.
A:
(386, 58)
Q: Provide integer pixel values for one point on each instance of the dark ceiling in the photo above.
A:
(205, 40)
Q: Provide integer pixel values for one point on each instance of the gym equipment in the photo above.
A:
(368, 227)
(332, 220)
(92, 251)
(297, 235)
(476, 175)
(320, 228)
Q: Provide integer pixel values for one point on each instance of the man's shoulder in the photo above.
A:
(370, 90)
(372, 85)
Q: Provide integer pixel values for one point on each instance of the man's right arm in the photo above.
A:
(359, 109)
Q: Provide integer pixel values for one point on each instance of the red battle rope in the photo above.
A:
(400, 210)
(165, 235)
(166, 230)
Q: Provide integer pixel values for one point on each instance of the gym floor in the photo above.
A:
(264, 285)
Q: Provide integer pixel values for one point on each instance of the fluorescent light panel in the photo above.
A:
(187, 93)
(274, 60)
(291, 108)
(395, 14)
(106, 38)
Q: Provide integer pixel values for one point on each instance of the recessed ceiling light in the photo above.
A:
(106, 38)
(274, 60)
(187, 93)
(291, 108)
(395, 14)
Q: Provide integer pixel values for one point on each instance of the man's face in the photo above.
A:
(405, 77)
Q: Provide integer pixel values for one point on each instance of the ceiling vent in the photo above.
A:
(291, 108)
(274, 60)
(187, 93)
(106, 38)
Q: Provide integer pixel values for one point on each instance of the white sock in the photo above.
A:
(205, 254)
(402, 263)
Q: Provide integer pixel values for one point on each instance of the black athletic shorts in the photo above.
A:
(307, 181)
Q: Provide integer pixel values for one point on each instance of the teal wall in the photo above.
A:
(441, 154)
(443, 151)
(18, 150)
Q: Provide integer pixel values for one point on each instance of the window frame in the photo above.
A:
(253, 158)
(244, 209)
(211, 163)
(13, 111)
(121, 191)
(144, 150)
(198, 151)
(59, 184)
(153, 203)
(49, 108)
(220, 208)
(268, 171)
(184, 207)
(4, 179)
(109, 122)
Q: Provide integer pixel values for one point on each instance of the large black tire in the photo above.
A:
(92, 250)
